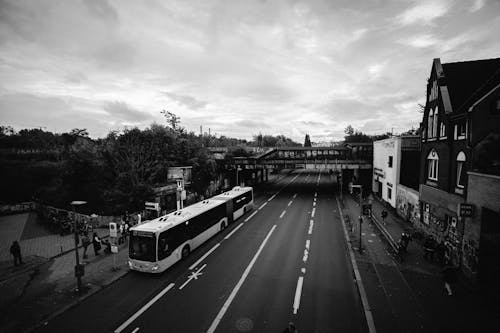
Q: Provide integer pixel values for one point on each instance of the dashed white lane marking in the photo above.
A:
(298, 293)
(234, 230)
(226, 305)
(295, 195)
(136, 329)
(290, 202)
(313, 212)
(193, 276)
(248, 218)
(315, 194)
(311, 224)
(271, 198)
(314, 203)
(263, 205)
(144, 308)
(193, 266)
(282, 214)
(303, 270)
(308, 243)
(305, 256)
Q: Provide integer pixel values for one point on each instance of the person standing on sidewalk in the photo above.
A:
(96, 242)
(15, 250)
(85, 243)
(449, 277)
(384, 216)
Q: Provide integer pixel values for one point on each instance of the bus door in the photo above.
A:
(229, 211)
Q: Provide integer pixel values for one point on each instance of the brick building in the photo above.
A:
(462, 111)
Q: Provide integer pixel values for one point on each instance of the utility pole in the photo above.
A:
(79, 270)
(360, 215)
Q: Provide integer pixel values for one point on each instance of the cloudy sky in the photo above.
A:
(237, 67)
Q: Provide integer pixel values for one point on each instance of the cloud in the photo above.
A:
(477, 5)
(186, 100)
(422, 41)
(424, 12)
(121, 110)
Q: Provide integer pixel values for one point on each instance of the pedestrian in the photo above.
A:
(15, 250)
(291, 328)
(85, 243)
(96, 242)
(121, 230)
(449, 277)
(384, 215)
(125, 231)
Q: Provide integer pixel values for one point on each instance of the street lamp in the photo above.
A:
(78, 268)
(360, 214)
(238, 169)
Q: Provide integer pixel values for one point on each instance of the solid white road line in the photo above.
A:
(144, 308)
(282, 214)
(271, 198)
(234, 230)
(290, 202)
(136, 329)
(263, 205)
(357, 275)
(313, 212)
(298, 293)
(226, 305)
(193, 266)
(248, 218)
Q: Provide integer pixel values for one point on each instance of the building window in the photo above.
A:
(389, 163)
(389, 193)
(432, 165)
(430, 124)
(436, 124)
(442, 130)
(460, 130)
(461, 170)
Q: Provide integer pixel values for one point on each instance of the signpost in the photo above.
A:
(153, 206)
(361, 213)
(113, 234)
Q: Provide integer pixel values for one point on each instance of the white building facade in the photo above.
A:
(386, 168)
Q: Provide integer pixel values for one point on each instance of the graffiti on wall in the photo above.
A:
(407, 206)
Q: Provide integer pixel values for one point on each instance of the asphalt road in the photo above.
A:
(284, 261)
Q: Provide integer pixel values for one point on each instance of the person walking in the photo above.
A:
(449, 277)
(125, 231)
(121, 230)
(96, 242)
(85, 244)
(15, 250)
(384, 216)
(291, 328)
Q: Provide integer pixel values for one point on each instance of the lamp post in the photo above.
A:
(78, 268)
(238, 169)
(360, 214)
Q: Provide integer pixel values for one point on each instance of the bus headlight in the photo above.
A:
(130, 265)
(155, 267)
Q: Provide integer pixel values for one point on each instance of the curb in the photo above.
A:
(80, 299)
(357, 275)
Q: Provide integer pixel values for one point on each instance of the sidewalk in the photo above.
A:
(409, 296)
(48, 289)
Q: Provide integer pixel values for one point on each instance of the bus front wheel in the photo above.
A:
(185, 251)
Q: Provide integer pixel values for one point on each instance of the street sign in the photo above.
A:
(113, 232)
(466, 210)
(153, 206)
(367, 209)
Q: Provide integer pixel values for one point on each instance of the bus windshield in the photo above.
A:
(142, 246)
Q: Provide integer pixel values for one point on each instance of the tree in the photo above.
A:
(172, 119)
(349, 130)
(307, 141)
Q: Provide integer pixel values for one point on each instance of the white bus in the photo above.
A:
(158, 244)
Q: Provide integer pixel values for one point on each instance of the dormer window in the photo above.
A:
(442, 130)
(460, 130)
